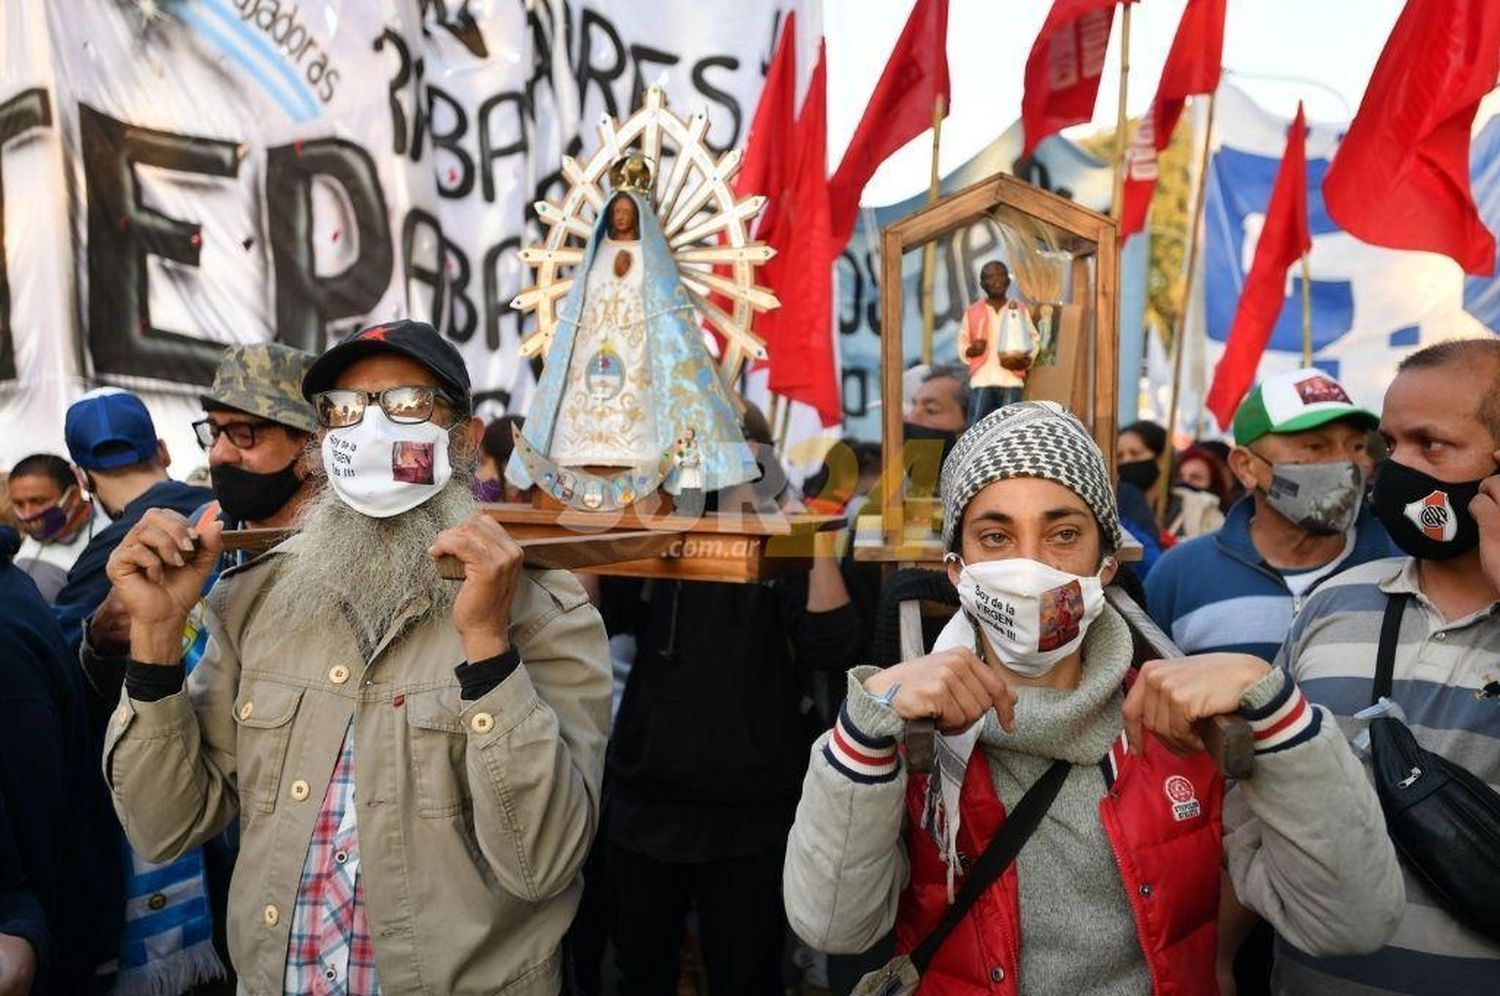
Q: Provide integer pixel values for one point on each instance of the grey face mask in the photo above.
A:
(1319, 497)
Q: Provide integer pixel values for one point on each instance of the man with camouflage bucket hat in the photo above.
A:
(255, 430)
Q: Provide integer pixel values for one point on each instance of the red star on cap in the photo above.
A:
(376, 334)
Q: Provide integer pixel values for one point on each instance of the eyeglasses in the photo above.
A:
(244, 435)
(341, 408)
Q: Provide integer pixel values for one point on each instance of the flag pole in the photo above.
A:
(1179, 334)
(929, 251)
(1307, 349)
(1116, 205)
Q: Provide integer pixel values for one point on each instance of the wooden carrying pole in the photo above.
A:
(929, 251)
(1116, 204)
(1179, 333)
(549, 553)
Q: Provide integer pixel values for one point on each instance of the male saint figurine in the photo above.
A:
(998, 341)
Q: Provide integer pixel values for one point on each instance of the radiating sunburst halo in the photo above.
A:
(705, 225)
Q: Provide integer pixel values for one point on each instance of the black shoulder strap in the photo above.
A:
(1018, 827)
(1385, 654)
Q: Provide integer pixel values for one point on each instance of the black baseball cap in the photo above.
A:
(417, 340)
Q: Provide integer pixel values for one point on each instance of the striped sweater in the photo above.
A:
(1216, 593)
(1444, 679)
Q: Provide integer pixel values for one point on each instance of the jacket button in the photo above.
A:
(272, 916)
(247, 710)
(300, 790)
(338, 674)
(482, 722)
(1146, 891)
(997, 974)
(122, 714)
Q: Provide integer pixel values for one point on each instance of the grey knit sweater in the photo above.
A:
(1069, 886)
(1303, 837)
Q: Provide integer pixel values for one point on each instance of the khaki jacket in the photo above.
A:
(474, 817)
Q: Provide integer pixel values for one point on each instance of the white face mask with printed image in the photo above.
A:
(1032, 614)
(383, 468)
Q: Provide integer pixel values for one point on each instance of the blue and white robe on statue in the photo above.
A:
(669, 382)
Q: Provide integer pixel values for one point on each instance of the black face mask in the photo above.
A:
(911, 431)
(1426, 517)
(249, 497)
(1141, 473)
(924, 462)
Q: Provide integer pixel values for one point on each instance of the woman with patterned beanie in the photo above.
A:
(1056, 750)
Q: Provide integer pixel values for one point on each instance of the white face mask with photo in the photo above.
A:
(383, 468)
(1033, 615)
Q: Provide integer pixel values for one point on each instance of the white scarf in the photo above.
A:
(1107, 655)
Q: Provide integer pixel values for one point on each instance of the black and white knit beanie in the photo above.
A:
(1028, 439)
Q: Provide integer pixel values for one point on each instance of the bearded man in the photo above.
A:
(415, 762)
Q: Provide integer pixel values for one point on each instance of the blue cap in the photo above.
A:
(109, 428)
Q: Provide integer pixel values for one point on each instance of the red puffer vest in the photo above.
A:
(1162, 815)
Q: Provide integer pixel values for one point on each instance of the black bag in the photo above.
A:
(1444, 821)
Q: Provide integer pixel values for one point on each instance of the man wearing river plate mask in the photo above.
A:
(414, 762)
(1437, 494)
(1116, 891)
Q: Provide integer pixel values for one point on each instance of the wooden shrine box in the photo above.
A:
(1082, 376)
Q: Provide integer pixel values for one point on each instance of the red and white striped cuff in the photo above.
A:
(1287, 720)
(862, 758)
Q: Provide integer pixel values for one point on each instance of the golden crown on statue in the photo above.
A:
(631, 174)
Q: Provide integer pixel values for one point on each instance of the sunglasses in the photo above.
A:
(342, 407)
(244, 435)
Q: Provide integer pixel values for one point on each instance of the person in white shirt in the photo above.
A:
(56, 516)
(999, 342)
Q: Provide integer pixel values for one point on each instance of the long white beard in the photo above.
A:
(369, 568)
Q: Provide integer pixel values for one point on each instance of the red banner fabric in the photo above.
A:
(900, 108)
(1062, 72)
(1400, 177)
(1283, 239)
(1192, 67)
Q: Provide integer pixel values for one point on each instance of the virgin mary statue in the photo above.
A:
(628, 386)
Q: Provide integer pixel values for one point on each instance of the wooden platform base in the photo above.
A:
(739, 548)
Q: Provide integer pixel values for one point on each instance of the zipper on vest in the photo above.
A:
(1135, 892)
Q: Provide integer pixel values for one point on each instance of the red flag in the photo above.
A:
(801, 330)
(899, 110)
(1192, 66)
(769, 153)
(1283, 239)
(1400, 177)
(1062, 72)
(770, 149)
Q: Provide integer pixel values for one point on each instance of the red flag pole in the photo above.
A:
(1306, 313)
(1117, 203)
(929, 251)
(1179, 333)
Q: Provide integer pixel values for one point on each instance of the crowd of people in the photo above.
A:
(324, 768)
